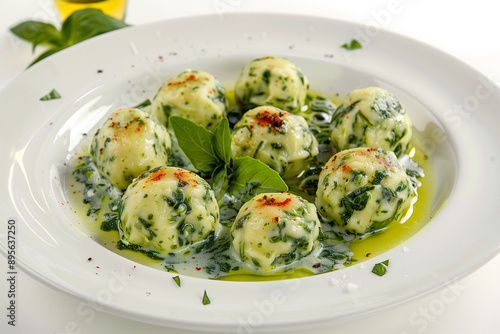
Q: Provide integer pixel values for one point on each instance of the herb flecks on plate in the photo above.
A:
(205, 300)
(353, 45)
(380, 269)
(52, 95)
(177, 280)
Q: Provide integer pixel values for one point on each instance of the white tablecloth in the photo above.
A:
(466, 29)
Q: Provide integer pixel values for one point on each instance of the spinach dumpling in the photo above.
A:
(363, 190)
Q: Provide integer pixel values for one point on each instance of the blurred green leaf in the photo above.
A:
(79, 26)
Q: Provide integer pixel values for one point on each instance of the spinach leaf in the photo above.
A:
(79, 26)
(197, 144)
(379, 176)
(136, 248)
(332, 255)
(355, 201)
(110, 222)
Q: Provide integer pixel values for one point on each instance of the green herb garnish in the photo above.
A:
(197, 143)
(210, 153)
(79, 26)
(353, 45)
(143, 104)
(252, 177)
(222, 141)
(177, 280)
(380, 268)
(110, 222)
(205, 300)
(54, 94)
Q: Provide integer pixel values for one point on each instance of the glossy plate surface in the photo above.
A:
(454, 110)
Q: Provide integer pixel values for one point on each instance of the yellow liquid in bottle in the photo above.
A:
(114, 8)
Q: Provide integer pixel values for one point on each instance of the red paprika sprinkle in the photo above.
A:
(346, 168)
(265, 200)
(272, 120)
(156, 176)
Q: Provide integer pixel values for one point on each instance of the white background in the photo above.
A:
(467, 30)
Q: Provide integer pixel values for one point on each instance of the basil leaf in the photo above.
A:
(54, 94)
(251, 177)
(86, 23)
(222, 141)
(81, 25)
(355, 44)
(196, 142)
(380, 268)
(38, 33)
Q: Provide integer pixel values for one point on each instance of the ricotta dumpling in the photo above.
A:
(271, 81)
(195, 95)
(166, 209)
(275, 229)
(128, 143)
(363, 190)
(371, 117)
(278, 138)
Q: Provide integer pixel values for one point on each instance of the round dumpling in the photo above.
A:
(194, 95)
(275, 229)
(371, 117)
(128, 143)
(362, 190)
(271, 81)
(167, 209)
(277, 138)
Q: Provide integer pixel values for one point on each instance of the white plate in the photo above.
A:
(454, 110)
